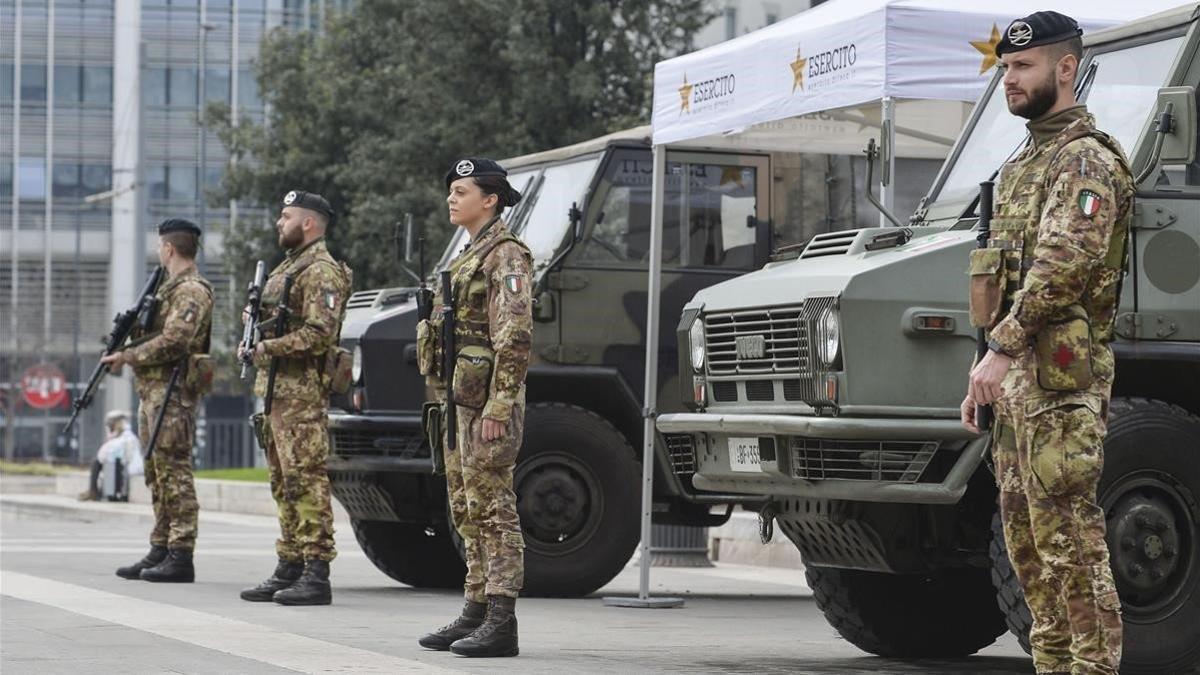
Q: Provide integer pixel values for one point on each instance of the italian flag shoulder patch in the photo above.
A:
(1089, 203)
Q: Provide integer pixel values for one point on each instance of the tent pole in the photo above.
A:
(649, 409)
(887, 181)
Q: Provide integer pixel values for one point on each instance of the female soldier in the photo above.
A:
(490, 281)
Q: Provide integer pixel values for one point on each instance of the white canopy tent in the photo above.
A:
(877, 62)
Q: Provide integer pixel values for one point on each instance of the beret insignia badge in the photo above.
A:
(465, 168)
(289, 198)
(1020, 33)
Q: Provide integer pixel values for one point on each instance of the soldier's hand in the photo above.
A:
(966, 413)
(987, 376)
(115, 361)
(246, 315)
(494, 429)
(260, 351)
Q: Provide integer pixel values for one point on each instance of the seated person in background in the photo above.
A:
(122, 445)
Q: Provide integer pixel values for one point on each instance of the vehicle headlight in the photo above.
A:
(829, 336)
(696, 341)
(356, 365)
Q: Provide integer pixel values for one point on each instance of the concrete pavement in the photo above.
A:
(62, 610)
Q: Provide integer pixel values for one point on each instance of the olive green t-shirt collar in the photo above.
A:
(1048, 126)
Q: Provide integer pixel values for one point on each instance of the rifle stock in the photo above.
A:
(280, 325)
(448, 357)
(983, 413)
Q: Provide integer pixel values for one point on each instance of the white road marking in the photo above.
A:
(210, 631)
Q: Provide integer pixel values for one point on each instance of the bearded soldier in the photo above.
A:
(295, 435)
(1055, 259)
(179, 330)
(493, 323)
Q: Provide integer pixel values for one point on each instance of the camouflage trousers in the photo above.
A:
(1048, 462)
(297, 447)
(479, 480)
(168, 472)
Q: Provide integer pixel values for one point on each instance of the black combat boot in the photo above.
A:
(498, 634)
(312, 588)
(156, 555)
(176, 568)
(286, 574)
(472, 617)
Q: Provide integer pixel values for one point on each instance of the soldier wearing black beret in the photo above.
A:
(161, 357)
(1062, 212)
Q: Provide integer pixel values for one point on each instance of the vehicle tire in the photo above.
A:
(1149, 492)
(944, 614)
(578, 493)
(420, 556)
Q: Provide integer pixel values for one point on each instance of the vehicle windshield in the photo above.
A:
(541, 219)
(1121, 97)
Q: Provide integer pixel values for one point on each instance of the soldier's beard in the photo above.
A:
(1037, 101)
(290, 239)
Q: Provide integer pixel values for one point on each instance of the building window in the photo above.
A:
(730, 23)
(96, 178)
(66, 180)
(6, 179)
(216, 85)
(97, 85)
(156, 182)
(66, 84)
(181, 86)
(6, 82)
(154, 86)
(248, 90)
(31, 178)
(33, 83)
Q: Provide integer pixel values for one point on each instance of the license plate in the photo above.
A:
(743, 455)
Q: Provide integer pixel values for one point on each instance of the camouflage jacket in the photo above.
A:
(320, 288)
(492, 297)
(1064, 207)
(181, 328)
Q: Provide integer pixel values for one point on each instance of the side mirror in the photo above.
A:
(1179, 141)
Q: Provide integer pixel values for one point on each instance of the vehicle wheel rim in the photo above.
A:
(560, 503)
(1151, 539)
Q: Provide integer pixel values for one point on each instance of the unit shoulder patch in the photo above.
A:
(1089, 203)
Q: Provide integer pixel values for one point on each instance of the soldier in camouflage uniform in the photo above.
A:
(490, 280)
(295, 434)
(1046, 288)
(180, 329)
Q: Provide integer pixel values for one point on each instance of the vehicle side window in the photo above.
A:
(712, 206)
(622, 233)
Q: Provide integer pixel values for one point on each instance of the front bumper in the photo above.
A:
(900, 460)
(376, 443)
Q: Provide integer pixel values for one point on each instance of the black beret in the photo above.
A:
(178, 225)
(1037, 29)
(478, 167)
(311, 201)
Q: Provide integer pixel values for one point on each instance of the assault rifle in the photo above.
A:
(250, 333)
(141, 315)
(282, 314)
(983, 413)
(448, 357)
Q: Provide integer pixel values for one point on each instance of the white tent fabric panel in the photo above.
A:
(847, 53)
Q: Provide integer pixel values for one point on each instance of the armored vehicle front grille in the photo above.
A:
(876, 461)
(760, 390)
(363, 299)
(681, 448)
(724, 392)
(771, 341)
(354, 443)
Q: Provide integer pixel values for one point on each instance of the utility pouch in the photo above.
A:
(339, 369)
(473, 376)
(986, 268)
(1064, 351)
(426, 348)
(198, 378)
(258, 422)
(431, 423)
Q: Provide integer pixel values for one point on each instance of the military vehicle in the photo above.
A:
(831, 386)
(586, 218)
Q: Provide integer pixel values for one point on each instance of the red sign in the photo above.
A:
(44, 386)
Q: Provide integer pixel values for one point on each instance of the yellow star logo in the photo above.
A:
(988, 49)
(798, 70)
(685, 96)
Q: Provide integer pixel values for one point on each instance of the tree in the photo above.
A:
(373, 111)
